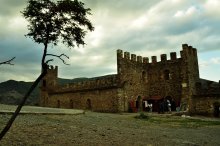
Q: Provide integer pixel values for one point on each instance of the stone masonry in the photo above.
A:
(137, 80)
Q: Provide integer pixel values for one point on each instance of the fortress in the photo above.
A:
(138, 80)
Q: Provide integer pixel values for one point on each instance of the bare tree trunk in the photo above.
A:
(34, 85)
(15, 114)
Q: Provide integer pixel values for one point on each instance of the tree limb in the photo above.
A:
(49, 61)
(11, 120)
(34, 85)
(8, 61)
(59, 56)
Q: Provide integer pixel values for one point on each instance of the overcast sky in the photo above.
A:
(142, 27)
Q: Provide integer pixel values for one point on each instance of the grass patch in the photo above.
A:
(176, 121)
(142, 116)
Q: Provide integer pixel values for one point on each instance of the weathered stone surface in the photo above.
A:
(137, 79)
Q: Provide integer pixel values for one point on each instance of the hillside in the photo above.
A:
(11, 91)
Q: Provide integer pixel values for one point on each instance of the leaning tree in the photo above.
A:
(53, 22)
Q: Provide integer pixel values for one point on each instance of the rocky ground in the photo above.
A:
(100, 129)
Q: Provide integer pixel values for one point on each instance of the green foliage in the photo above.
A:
(52, 21)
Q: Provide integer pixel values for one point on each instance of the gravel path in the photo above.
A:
(39, 110)
(105, 129)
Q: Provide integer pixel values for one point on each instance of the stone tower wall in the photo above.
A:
(49, 82)
(165, 78)
(101, 93)
(130, 68)
(136, 77)
(95, 100)
(205, 104)
(149, 80)
(190, 74)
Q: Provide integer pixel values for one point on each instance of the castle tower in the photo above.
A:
(48, 82)
(190, 74)
(132, 75)
(119, 57)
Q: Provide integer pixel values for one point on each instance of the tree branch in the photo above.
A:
(49, 61)
(11, 120)
(8, 61)
(59, 56)
(34, 85)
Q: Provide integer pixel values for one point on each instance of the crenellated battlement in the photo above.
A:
(154, 59)
(163, 57)
(137, 80)
(139, 59)
(173, 56)
(52, 70)
(186, 51)
(103, 82)
(127, 55)
(144, 60)
(51, 67)
(133, 57)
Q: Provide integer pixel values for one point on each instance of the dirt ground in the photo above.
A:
(104, 129)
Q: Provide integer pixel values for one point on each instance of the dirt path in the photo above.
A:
(109, 129)
(39, 110)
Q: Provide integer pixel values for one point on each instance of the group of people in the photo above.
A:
(167, 106)
(148, 106)
(163, 105)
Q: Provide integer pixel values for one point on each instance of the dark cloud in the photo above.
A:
(11, 7)
(141, 27)
(121, 7)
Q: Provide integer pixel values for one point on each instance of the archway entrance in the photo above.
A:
(155, 101)
(88, 104)
(216, 109)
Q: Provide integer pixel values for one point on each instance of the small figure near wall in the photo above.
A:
(150, 106)
(169, 105)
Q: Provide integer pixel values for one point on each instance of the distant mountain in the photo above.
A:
(66, 81)
(11, 91)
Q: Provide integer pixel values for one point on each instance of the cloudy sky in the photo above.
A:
(142, 27)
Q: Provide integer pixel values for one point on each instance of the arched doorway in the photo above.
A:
(167, 104)
(216, 106)
(155, 100)
(88, 104)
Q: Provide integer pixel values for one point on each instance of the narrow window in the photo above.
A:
(88, 104)
(167, 75)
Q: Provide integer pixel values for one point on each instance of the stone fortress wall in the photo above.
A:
(136, 78)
